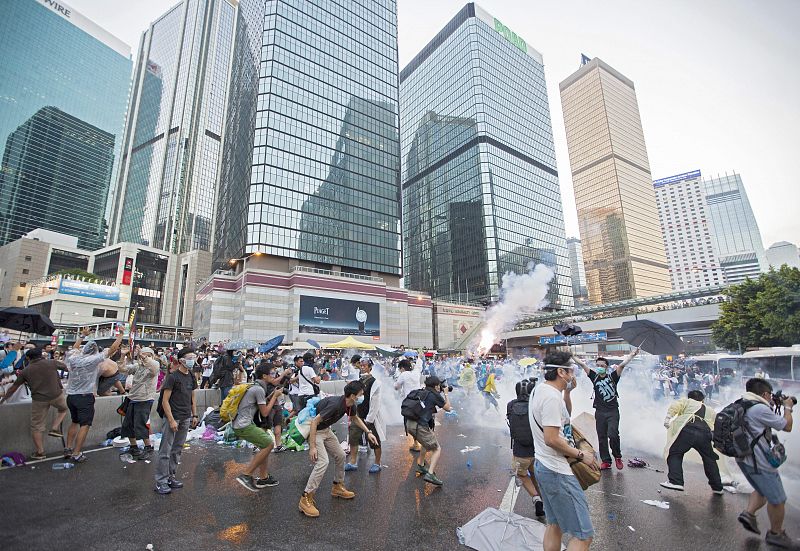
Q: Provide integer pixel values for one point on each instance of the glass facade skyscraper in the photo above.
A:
(479, 179)
(173, 136)
(577, 271)
(63, 92)
(311, 157)
(623, 247)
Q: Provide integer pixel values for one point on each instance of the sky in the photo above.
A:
(717, 81)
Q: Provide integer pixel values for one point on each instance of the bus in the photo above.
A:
(780, 366)
(714, 364)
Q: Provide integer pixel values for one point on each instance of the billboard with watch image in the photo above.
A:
(333, 316)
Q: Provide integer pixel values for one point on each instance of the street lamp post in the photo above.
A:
(234, 261)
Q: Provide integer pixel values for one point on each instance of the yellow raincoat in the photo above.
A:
(467, 378)
(490, 387)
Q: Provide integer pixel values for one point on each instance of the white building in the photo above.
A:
(781, 253)
(688, 241)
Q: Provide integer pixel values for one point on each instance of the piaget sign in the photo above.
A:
(510, 35)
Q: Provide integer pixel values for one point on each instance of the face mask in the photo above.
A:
(360, 400)
(601, 370)
(190, 363)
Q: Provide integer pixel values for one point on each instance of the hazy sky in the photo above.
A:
(717, 80)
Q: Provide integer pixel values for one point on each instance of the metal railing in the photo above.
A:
(348, 275)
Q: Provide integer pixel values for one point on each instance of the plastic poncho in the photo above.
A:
(490, 387)
(467, 377)
(682, 412)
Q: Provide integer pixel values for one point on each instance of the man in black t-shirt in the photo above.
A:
(322, 442)
(606, 405)
(522, 441)
(435, 396)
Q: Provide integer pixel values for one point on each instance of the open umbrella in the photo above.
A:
(651, 336)
(26, 320)
(496, 530)
(313, 343)
(241, 344)
(271, 344)
(410, 354)
(525, 362)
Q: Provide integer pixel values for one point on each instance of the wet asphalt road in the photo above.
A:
(108, 505)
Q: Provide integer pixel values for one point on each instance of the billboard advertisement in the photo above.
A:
(89, 290)
(333, 316)
(591, 336)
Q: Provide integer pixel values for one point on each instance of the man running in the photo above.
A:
(606, 406)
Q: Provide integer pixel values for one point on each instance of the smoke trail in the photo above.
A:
(520, 294)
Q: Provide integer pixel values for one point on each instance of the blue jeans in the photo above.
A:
(766, 483)
(224, 390)
(564, 502)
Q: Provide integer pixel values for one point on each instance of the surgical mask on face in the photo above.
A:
(190, 363)
(360, 400)
(601, 370)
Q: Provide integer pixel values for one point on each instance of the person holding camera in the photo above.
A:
(276, 378)
(307, 379)
(434, 395)
(761, 468)
(565, 505)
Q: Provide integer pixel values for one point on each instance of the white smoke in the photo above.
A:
(520, 295)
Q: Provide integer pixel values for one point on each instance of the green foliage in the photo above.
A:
(761, 312)
(79, 273)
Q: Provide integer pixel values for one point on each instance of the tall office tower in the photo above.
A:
(173, 136)
(311, 157)
(737, 240)
(623, 248)
(577, 272)
(63, 92)
(479, 179)
(688, 232)
(781, 253)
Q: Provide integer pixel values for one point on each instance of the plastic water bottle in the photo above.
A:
(469, 464)
(62, 466)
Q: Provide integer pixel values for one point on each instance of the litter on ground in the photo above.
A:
(470, 449)
(659, 504)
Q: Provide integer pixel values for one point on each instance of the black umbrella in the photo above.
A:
(26, 320)
(651, 336)
(567, 329)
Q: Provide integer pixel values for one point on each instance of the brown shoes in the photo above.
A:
(307, 505)
(340, 491)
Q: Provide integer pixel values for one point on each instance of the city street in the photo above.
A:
(107, 505)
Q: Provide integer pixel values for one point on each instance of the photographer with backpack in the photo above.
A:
(522, 441)
(418, 409)
(760, 465)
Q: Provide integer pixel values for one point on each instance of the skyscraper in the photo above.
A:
(781, 253)
(737, 239)
(173, 136)
(577, 272)
(688, 232)
(623, 247)
(311, 155)
(63, 92)
(479, 179)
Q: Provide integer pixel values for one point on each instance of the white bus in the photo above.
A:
(780, 366)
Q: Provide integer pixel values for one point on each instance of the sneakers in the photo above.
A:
(375, 468)
(605, 466)
(671, 486)
(146, 453)
(421, 469)
(618, 462)
(279, 449)
(136, 452)
(350, 467)
(55, 433)
(431, 478)
(175, 484)
(67, 453)
(538, 506)
(780, 539)
(163, 489)
(340, 491)
(265, 482)
(36, 455)
(717, 492)
(307, 505)
(247, 481)
(749, 522)
(80, 458)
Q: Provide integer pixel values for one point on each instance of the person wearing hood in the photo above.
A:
(371, 412)
(84, 367)
(690, 422)
(144, 369)
(606, 404)
(467, 378)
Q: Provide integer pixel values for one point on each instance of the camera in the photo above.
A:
(448, 387)
(778, 397)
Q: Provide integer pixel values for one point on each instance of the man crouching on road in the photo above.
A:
(323, 442)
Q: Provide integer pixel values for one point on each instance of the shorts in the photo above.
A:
(104, 384)
(39, 411)
(274, 419)
(564, 502)
(423, 434)
(136, 417)
(523, 465)
(81, 409)
(355, 433)
(256, 436)
(766, 483)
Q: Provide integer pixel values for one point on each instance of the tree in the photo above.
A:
(761, 312)
(77, 272)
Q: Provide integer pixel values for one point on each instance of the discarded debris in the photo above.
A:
(631, 528)
(470, 449)
(659, 504)
(149, 547)
(127, 458)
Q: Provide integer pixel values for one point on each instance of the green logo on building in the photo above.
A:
(510, 35)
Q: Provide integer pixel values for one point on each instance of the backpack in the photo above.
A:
(230, 406)
(519, 424)
(482, 383)
(413, 405)
(731, 436)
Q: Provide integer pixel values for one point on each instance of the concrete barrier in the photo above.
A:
(15, 422)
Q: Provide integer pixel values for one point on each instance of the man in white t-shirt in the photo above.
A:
(305, 377)
(565, 505)
(407, 381)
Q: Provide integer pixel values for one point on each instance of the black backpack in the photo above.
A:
(519, 424)
(413, 405)
(731, 436)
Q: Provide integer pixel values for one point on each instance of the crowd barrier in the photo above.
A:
(15, 420)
